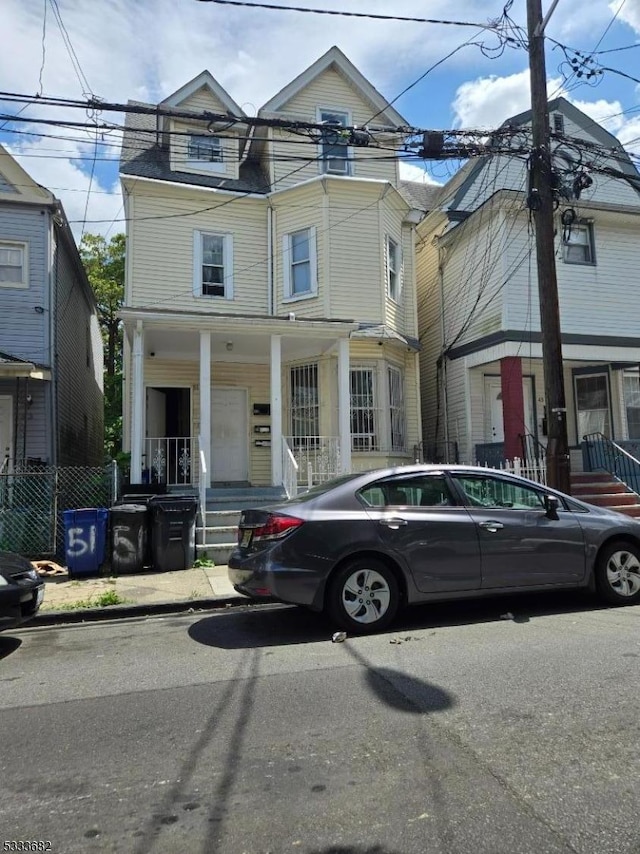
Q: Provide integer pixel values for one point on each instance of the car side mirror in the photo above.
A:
(551, 504)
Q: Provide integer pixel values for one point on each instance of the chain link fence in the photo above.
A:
(33, 500)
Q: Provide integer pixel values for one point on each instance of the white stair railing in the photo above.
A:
(202, 484)
(289, 470)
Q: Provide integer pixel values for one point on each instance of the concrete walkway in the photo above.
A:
(79, 599)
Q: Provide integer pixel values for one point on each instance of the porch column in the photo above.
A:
(512, 405)
(276, 410)
(344, 406)
(137, 409)
(205, 402)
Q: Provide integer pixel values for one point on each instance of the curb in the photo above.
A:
(119, 612)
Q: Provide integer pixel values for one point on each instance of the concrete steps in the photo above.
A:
(603, 490)
(217, 538)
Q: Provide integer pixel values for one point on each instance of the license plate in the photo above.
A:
(40, 596)
(246, 538)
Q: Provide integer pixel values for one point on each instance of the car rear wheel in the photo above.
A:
(618, 573)
(363, 596)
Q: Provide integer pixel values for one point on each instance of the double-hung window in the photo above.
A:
(578, 245)
(364, 427)
(299, 264)
(304, 406)
(13, 265)
(396, 410)
(334, 144)
(213, 265)
(394, 269)
(631, 389)
(205, 147)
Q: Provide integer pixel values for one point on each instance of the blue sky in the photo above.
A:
(146, 49)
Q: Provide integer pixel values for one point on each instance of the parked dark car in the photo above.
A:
(364, 545)
(21, 590)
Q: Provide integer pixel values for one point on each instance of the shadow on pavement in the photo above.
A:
(350, 849)
(282, 625)
(8, 645)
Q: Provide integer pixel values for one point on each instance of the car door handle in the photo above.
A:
(491, 526)
(394, 522)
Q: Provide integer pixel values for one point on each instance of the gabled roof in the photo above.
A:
(335, 59)
(585, 123)
(203, 80)
(22, 185)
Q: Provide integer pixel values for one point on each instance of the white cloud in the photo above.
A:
(627, 11)
(486, 102)
(413, 172)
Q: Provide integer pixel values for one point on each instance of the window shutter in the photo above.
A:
(286, 266)
(228, 266)
(197, 264)
(313, 260)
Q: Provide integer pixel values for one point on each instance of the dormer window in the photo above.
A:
(558, 123)
(205, 148)
(334, 146)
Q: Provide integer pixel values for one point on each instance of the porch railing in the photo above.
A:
(602, 453)
(535, 469)
(289, 470)
(170, 460)
(317, 457)
(532, 447)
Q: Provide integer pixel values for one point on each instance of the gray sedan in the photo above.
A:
(363, 546)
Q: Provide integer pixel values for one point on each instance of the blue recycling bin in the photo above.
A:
(85, 537)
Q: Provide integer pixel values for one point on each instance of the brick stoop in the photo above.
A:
(604, 490)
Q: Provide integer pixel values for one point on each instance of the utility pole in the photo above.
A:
(541, 203)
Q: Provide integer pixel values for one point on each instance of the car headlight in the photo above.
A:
(33, 575)
(3, 581)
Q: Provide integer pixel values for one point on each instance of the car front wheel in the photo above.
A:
(363, 596)
(618, 574)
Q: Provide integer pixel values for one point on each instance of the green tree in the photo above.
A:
(104, 263)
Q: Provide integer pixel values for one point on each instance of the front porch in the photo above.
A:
(274, 403)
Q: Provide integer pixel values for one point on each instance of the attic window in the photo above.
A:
(558, 123)
(334, 152)
(205, 147)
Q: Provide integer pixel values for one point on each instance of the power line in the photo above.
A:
(340, 13)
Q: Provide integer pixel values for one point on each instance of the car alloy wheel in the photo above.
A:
(364, 596)
(618, 574)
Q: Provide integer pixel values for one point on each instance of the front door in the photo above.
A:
(6, 427)
(494, 418)
(229, 434)
(592, 404)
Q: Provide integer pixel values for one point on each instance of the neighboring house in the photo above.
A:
(51, 400)
(483, 391)
(270, 307)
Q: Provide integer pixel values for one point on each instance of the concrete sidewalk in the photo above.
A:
(71, 600)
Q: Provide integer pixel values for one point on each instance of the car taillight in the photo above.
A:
(276, 527)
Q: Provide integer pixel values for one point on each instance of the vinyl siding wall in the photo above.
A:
(594, 299)
(78, 371)
(161, 251)
(329, 90)
(23, 331)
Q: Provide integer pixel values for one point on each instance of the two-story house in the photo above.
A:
(270, 307)
(481, 365)
(51, 391)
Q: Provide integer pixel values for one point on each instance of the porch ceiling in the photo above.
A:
(254, 348)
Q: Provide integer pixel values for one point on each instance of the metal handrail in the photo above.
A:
(289, 470)
(528, 440)
(202, 484)
(603, 453)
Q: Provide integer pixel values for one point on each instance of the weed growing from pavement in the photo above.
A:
(201, 562)
(100, 600)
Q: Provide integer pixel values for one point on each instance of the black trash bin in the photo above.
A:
(129, 538)
(173, 531)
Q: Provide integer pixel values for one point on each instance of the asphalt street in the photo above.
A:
(248, 730)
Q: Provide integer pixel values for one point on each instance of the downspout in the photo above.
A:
(54, 263)
(445, 405)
